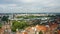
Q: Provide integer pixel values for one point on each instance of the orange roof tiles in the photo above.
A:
(58, 31)
(53, 26)
(24, 33)
(41, 28)
(38, 28)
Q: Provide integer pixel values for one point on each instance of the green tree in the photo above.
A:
(0, 25)
(36, 21)
(19, 25)
(40, 32)
(5, 18)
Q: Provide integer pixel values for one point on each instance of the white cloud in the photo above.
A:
(30, 6)
(6, 5)
(35, 2)
(27, 1)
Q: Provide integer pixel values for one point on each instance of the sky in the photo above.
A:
(29, 6)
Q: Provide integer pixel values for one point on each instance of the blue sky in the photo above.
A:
(29, 6)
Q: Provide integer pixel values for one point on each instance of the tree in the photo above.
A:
(19, 25)
(5, 18)
(40, 32)
(0, 25)
(36, 21)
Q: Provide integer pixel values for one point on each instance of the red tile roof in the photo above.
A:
(58, 31)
